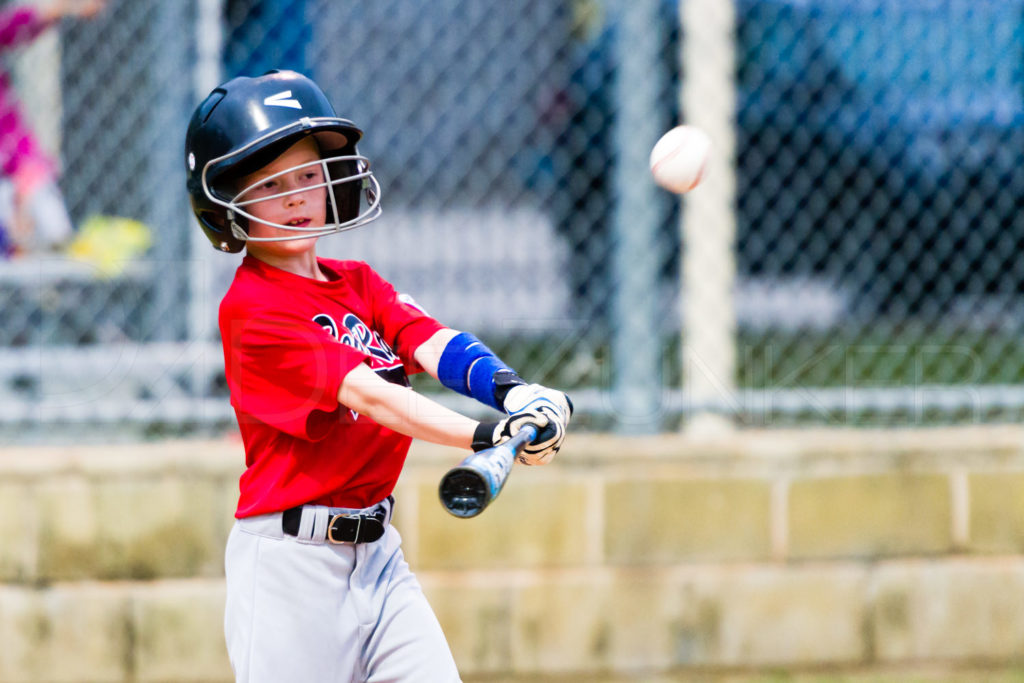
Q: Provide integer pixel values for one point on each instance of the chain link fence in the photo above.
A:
(872, 203)
(879, 205)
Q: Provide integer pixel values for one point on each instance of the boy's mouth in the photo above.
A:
(298, 223)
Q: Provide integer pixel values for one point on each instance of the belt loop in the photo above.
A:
(313, 525)
(323, 521)
(306, 523)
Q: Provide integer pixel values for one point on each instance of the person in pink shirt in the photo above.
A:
(36, 217)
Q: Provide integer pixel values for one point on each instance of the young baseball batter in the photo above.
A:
(317, 355)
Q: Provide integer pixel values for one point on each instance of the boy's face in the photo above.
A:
(301, 209)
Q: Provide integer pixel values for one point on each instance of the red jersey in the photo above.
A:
(288, 343)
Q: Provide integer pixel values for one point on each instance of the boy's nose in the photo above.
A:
(295, 199)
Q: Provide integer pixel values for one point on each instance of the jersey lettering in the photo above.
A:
(327, 322)
(359, 336)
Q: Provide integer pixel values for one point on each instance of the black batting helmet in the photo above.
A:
(244, 125)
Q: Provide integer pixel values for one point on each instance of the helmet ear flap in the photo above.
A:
(344, 195)
(218, 229)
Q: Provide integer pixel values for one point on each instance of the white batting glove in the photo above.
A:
(549, 402)
(536, 397)
(540, 451)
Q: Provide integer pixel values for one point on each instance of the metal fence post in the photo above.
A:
(639, 81)
(208, 72)
(165, 170)
(708, 101)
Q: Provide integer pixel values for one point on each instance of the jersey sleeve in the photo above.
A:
(285, 371)
(402, 323)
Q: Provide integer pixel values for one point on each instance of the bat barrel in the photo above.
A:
(467, 489)
(464, 492)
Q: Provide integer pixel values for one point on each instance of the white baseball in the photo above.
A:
(679, 160)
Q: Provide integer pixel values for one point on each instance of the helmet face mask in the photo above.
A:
(247, 123)
(346, 180)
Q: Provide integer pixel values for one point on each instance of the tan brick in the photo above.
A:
(561, 623)
(68, 532)
(127, 527)
(18, 536)
(710, 616)
(179, 632)
(405, 515)
(966, 610)
(996, 512)
(67, 633)
(651, 620)
(736, 616)
(477, 620)
(774, 616)
(170, 526)
(226, 492)
(864, 516)
(20, 626)
(653, 521)
(406, 510)
(532, 524)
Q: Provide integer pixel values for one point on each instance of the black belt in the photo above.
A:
(344, 527)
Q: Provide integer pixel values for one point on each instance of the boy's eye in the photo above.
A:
(263, 189)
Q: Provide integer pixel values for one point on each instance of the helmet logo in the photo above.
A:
(282, 99)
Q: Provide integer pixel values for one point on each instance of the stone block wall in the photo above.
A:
(762, 550)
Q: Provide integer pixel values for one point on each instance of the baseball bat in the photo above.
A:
(467, 489)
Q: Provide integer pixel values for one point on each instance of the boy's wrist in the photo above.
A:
(505, 381)
(483, 435)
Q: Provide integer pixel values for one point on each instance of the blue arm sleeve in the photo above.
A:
(467, 366)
